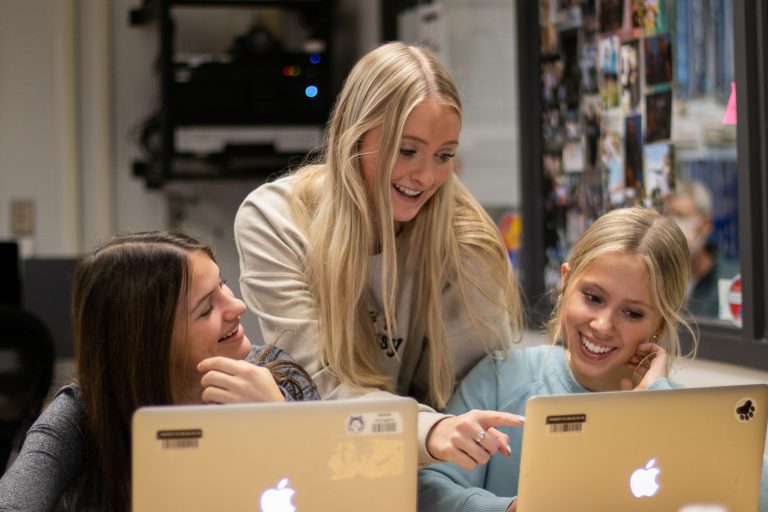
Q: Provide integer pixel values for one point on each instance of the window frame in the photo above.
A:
(746, 346)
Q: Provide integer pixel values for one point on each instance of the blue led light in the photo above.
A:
(314, 58)
(310, 91)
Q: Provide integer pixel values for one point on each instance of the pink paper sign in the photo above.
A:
(730, 110)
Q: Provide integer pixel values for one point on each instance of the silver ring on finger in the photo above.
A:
(479, 436)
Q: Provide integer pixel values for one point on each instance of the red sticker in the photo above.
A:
(734, 299)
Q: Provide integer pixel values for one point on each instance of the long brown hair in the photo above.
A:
(124, 299)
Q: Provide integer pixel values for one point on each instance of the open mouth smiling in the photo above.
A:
(407, 192)
(594, 348)
(230, 334)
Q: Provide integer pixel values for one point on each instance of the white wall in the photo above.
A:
(135, 95)
(476, 40)
(38, 120)
(95, 114)
(74, 80)
(482, 56)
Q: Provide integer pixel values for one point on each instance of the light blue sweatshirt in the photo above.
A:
(506, 385)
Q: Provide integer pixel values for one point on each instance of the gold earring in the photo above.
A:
(655, 337)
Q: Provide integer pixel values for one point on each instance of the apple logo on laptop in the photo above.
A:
(278, 499)
(643, 480)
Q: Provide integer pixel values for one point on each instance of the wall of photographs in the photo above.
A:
(633, 96)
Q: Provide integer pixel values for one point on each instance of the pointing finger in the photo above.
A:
(497, 418)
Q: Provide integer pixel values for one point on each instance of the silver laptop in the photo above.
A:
(681, 450)
(302, 456)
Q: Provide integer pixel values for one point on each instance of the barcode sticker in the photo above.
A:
(566, 423)
(384, 427)
(563, 428)
(186, 438)
(179, 443)
(369, 423)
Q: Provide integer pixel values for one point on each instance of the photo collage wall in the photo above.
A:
(612, 73)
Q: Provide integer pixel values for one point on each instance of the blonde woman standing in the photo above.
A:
(374, 267)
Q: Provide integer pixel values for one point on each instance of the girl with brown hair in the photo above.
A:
(154, 324)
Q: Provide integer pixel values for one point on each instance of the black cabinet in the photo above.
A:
(251, 102)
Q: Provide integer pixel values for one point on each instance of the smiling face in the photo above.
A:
(608, 313)
(423, 165)
(207, 323)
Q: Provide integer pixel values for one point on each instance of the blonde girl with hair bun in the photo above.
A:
(658, 247)
(373, 265)
(615, 327)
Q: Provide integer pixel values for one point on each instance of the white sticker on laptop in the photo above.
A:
(368, 457)
(373, 423)
(566, 423)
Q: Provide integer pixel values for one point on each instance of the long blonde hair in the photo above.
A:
(662, 247)
(344, 229)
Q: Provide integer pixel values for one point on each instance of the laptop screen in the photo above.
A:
(682, 450)
(326, 455)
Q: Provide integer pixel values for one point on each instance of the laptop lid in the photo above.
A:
(301, 456)
(681, 450)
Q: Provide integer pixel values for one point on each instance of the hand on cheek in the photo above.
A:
(229, 381)
(649, 363)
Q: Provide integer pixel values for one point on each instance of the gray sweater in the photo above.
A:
(53, 464)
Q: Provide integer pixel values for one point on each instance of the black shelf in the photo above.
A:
(150, 8)
(230, 3)
(257, 83)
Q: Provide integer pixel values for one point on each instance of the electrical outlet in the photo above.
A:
(22, 217)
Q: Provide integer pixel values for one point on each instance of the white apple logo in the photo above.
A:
(643, 480)
(278, 499)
